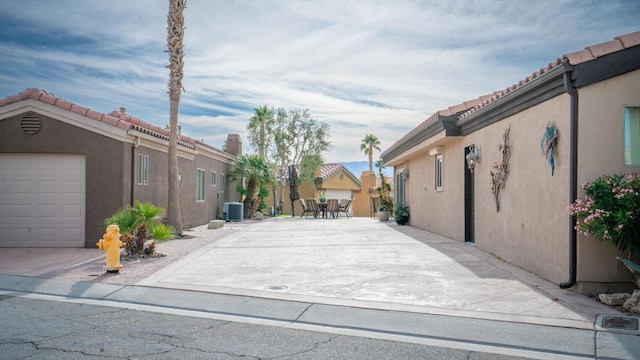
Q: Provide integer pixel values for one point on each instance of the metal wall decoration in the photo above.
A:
(548, 145)
(501, 170)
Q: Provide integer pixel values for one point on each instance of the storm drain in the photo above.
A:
(276, 287)
(627, 324)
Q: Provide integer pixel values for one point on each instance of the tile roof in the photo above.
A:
(327, 170)
(587, 54)
(330, 169)
(118, 119)
(469, 107)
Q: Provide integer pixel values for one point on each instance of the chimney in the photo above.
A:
(234, 144)
(123, 112)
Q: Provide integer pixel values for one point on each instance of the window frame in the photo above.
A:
(214, 178)
(631, 128)
(200, 184)
(439, 172)
(142, 169)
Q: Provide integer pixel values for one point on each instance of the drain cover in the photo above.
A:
(276, 287)
(620, 323)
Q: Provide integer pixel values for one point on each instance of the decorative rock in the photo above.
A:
(259, 216)
(215, 224)
(633, 302)
(616, 299)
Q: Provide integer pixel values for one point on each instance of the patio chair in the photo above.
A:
(312, 207)
(332, 208)
(375, 204)
(344, 208)
(303, 205)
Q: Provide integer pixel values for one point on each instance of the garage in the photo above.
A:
(42, 200)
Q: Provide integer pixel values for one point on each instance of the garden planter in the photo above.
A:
(402, 220)
(383, 215)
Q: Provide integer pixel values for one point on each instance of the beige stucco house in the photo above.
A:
(592, 99)
(334, 179)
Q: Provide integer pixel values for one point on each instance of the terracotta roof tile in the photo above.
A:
(63, 104)
(330, 169)
(110, 120)
(629, 40)
(327, 170)
(79, 109)
(605, 48)
(46, 98)
(114, 118)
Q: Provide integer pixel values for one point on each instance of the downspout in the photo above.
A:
(573, 175)
(133, 169)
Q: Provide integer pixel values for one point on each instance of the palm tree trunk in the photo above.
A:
(175, 42)
(370, 158)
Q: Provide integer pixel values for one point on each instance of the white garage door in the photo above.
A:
(42, 200)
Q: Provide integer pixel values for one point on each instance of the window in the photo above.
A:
(221, 182)
(200, 185)
(142, 169)
(214, 178)
(632, 135)
(439, 173)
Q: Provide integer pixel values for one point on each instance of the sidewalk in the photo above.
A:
(359, 275)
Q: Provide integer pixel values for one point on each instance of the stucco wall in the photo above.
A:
(361, 205)
(441, 212)
(106, 164)
(600, 152)
(192, 212)
(531, 229)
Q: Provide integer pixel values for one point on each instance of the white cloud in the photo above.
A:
(364, 66)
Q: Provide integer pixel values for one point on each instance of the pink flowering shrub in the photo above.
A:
(610, 211)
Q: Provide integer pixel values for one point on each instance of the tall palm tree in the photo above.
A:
(175, 44)
(369, 143)
(257, 127)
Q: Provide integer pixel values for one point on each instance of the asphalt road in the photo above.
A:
(44, 329)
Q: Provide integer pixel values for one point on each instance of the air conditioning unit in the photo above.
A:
(233, 211)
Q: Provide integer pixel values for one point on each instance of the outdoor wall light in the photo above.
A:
(473, 157)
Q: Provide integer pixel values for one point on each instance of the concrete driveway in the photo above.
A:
(363, 262)
(345, 276)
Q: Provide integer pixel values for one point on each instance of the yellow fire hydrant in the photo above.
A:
(111, 244)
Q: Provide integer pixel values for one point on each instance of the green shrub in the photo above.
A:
(162, 232)
(127, 220)
(139, 222)
(610, 211)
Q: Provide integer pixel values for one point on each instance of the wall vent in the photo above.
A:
(30, 124)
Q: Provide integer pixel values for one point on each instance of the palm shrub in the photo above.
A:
(139, 223)
(162, 232)
(257, 172)
(384, 189)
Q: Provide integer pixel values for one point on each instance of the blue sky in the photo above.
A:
(378, 67)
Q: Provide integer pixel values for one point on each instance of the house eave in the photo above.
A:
(536, 91)
(436, 125)
(65, 116)
(606, 67)
(421, 148)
